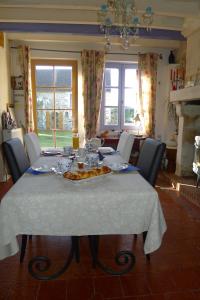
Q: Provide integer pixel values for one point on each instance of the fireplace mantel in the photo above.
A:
(186, 94)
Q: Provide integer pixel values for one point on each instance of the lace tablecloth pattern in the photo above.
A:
(49, 205)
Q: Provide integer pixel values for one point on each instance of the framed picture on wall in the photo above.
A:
(17, 82)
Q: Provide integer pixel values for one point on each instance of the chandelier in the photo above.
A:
(122, 16)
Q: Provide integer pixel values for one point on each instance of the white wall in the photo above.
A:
(161, 130)
(193, 55)
(165, 124)
(4, 92)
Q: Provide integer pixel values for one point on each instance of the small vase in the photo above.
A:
(171, 58)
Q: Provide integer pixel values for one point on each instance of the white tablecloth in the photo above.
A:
(52, 205)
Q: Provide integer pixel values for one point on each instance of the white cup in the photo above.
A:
(92, 159)
(82, 152)
(67, 150)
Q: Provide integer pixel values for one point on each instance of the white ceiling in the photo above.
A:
(168, 14)
(75, 2)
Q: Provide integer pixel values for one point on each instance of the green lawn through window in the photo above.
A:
(63, 138)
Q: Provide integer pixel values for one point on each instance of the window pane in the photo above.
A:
(44, 76)
(63, 76)
(63, 99)
(129, 114)
(45, 133)
(131, 78)
(64, 120)
(111, 97)
(130, 97)
(67, 120)
(63, 138)
(111, 77)
(44, 98)
(111, 116)
(45, 119)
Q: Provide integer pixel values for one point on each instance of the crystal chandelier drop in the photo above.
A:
(122, 16)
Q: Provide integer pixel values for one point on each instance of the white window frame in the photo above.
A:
(74, 90)
(121, 67)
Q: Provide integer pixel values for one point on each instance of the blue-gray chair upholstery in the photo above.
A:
(18, 163)
(149, 163)
(16, 158)
(150, 159)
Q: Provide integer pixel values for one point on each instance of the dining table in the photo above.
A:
(118, 203)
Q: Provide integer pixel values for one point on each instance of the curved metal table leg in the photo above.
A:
(40, 264)
(122, 258)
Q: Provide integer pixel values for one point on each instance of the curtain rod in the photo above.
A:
(70, 51)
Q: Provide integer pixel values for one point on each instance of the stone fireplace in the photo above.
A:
(187, 103)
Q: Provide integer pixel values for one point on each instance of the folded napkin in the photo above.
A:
(130, 169)
(106, 150)
(37, 172)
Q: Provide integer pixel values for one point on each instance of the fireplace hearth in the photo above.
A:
(187, 103)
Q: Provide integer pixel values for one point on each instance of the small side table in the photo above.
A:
(12, 133)
(110, 142)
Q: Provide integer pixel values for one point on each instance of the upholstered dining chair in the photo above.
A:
(125, 145)
(150, 158)
(149, 163)
(16, 158)
(18, 163)
(32, 146)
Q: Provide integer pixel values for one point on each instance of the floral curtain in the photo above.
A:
(92, 72)
(147, 72)
(24, 57)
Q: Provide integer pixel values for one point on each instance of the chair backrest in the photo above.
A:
(16, 157)
(125, 145)
(150, 159)
(32, 146)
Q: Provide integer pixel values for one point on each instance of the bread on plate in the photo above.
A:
(79, 175)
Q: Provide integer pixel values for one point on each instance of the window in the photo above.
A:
(55, 101)
(120, 96)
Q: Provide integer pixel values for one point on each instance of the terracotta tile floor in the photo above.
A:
(172, 274)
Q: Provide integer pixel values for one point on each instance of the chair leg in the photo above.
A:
(23, 247)
(75, 242)
(198, 180)
(94, 248)
(144, 238)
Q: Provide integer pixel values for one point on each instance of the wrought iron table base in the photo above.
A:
(122, 258)
(40, 264)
